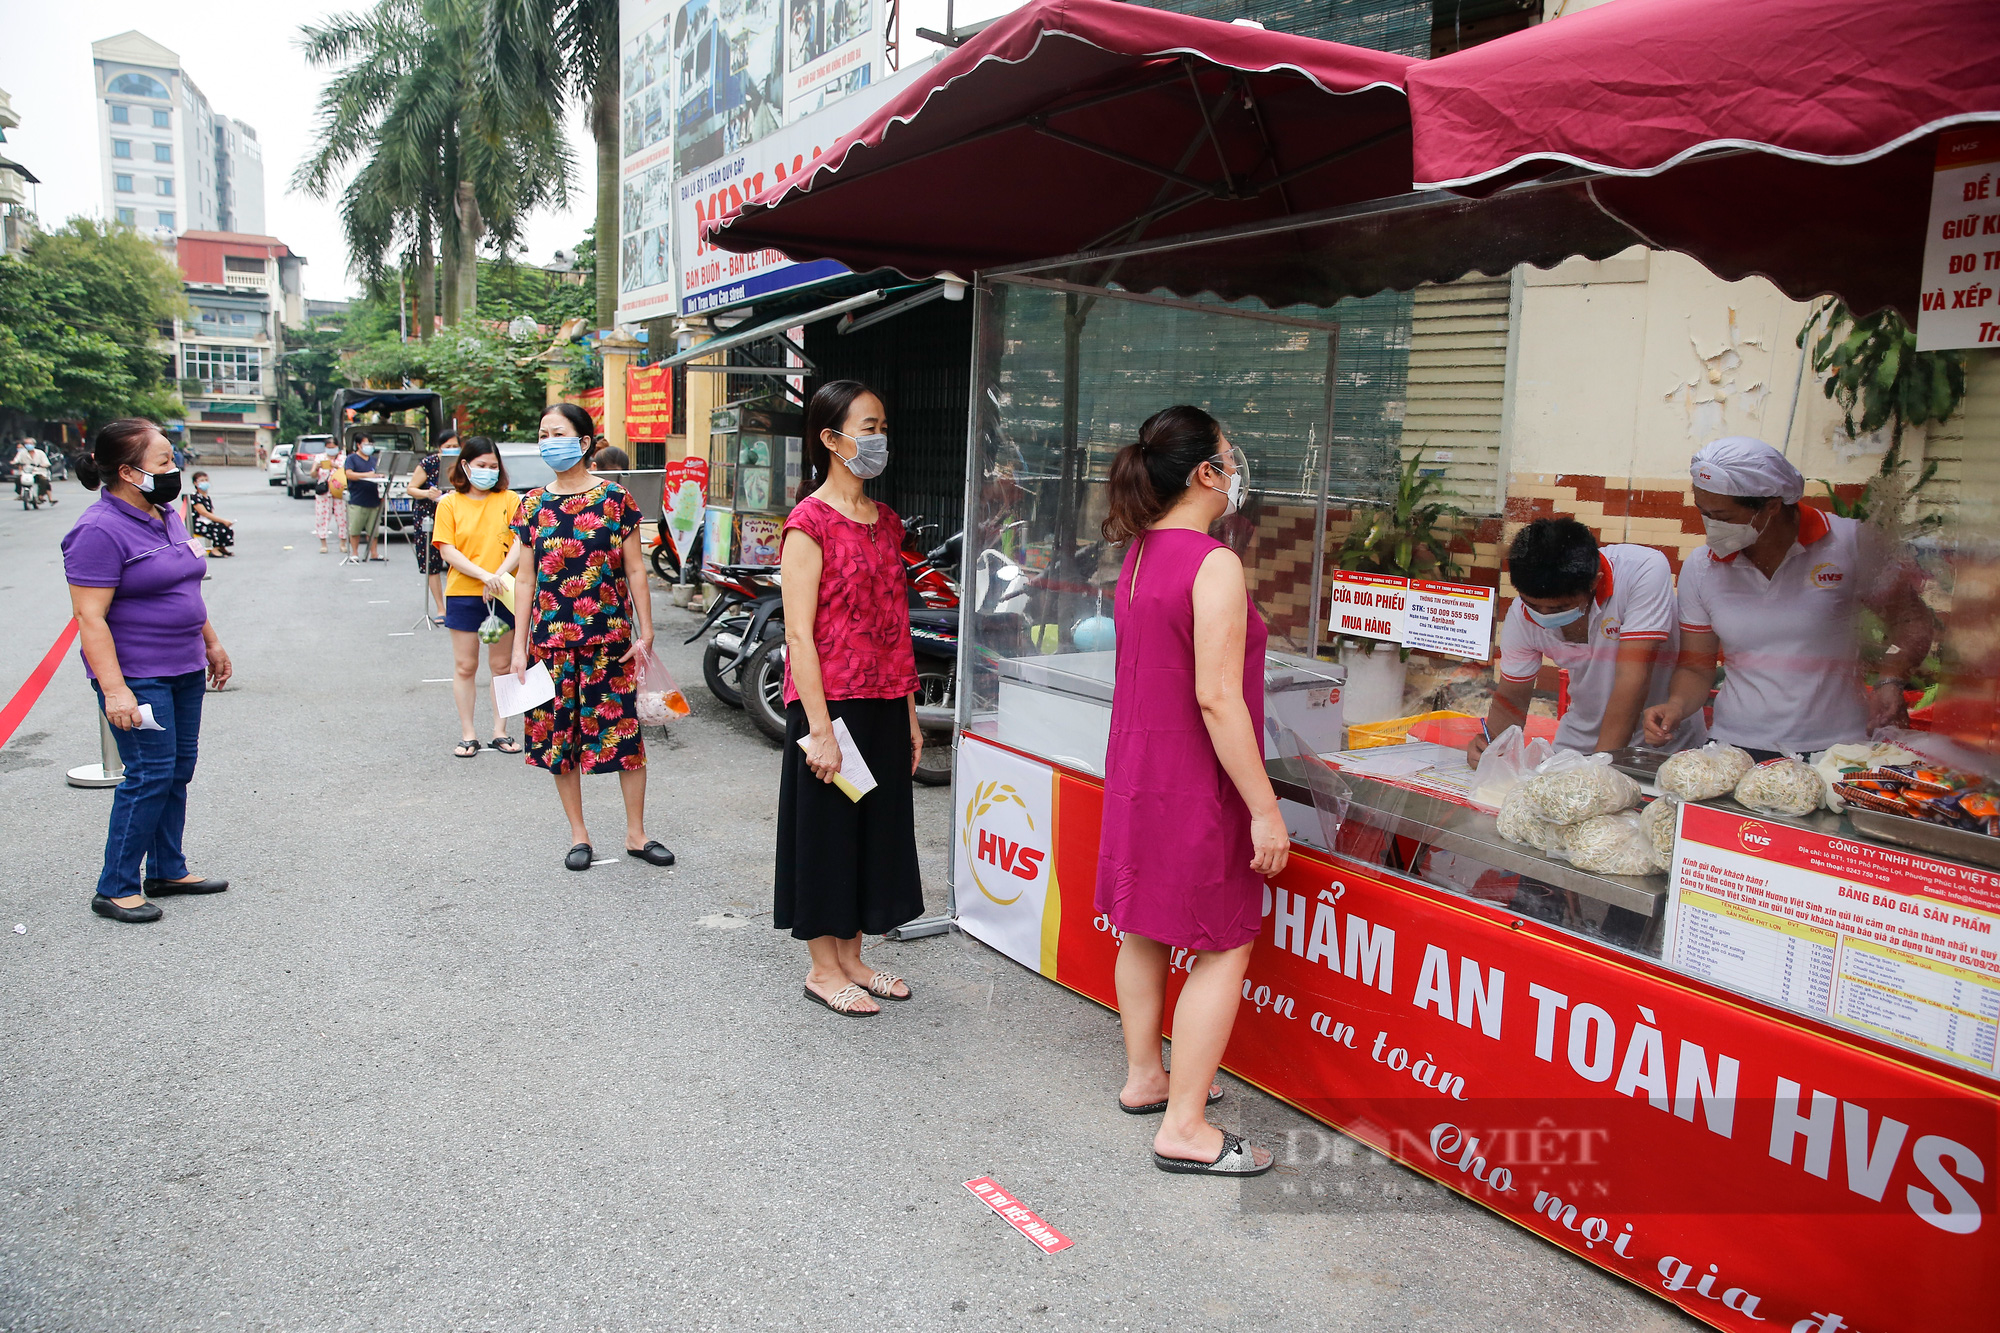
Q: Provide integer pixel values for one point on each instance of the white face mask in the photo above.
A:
(1233, 493)
(1729, 538)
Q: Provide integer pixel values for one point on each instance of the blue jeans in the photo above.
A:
(149, 808)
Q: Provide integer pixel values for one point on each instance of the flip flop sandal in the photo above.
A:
(882, 985)
(465, 750)
(1156, 1108)
(504, 744)
(1235, 1159)
(843, 1001)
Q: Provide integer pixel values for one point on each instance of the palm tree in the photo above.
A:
(553, 51)
(447, 155)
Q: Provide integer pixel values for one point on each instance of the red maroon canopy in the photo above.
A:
(1070, 124)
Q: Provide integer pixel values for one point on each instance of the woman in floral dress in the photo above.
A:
(329, 505)
(583, 568)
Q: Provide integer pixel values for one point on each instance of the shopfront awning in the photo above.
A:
(1069, 125)
(1789, 138)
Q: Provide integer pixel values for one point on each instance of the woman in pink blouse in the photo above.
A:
(846, 867)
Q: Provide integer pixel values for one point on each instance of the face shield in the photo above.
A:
(1232, 462)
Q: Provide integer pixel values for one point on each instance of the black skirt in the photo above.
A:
(848, 867)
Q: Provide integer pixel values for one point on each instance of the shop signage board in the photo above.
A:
(646, 159)
(1438, 617)
(1903, 946)
(1757, 1170)
(1001, 854)
(1961, 296)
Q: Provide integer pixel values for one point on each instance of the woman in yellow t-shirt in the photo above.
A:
(473, 532)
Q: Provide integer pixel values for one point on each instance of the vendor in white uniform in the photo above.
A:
(1776, 597)
(1604, 613)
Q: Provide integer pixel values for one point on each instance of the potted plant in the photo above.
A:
(1410, 537)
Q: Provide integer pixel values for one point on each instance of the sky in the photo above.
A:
(257, 75)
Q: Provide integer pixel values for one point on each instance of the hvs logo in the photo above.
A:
(996, 830)
(1753, 836)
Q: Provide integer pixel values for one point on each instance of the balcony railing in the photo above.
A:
(258, 280)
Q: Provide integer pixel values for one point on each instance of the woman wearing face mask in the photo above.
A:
(329, 497)
(1191, 825)
(1604, 613)
(846, 868)
(584, 575)
(1777, 593)
(219, 533)
(474, 533)
(426, 487)
(135, 584)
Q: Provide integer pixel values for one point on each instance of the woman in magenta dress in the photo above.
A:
(1191, 825)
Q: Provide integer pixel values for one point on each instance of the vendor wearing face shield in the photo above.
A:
(1776, 596)
(1606, 614)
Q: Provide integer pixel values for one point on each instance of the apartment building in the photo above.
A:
(245, 290)
(170, 162)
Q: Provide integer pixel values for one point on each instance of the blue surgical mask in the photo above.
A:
(1555, 621)
(485, 478)
(562, 452)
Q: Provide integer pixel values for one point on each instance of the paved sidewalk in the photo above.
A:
(409, 1073)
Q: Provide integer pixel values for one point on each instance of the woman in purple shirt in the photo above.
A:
(135, 583)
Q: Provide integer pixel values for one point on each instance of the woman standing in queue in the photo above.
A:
(329, 497)
(846, 868)
(427, 486)
(1191, 825)
(474, 534)
(584, 575)
(1777, 593)
(135, 583)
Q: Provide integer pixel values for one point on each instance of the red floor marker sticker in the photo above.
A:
(1022, 1217)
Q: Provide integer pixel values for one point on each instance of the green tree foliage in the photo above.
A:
(1410, 537)
(508, 290)
(313, 370)
(79, 321)
(487, 375)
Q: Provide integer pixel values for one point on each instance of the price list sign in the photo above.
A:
(1905, 947)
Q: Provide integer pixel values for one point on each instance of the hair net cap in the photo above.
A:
(1740, 465)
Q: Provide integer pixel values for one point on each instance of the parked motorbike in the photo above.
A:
(745, 608)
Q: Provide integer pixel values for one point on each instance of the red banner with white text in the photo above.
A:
(1757, 1170)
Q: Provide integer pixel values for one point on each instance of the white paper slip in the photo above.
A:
(854, 777)
(146, 722)
(512, 697)
(1394, 761)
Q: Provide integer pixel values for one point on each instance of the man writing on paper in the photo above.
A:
(1606, 614)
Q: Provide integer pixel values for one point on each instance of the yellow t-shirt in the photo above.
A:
(480, 525)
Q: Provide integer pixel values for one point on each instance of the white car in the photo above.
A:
(280, 465)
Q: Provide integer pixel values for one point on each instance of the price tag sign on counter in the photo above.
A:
(1900, 945)
(1455, 618)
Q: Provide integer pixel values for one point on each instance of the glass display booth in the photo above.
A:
(754, 473)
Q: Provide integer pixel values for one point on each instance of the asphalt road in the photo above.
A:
(409, 1073)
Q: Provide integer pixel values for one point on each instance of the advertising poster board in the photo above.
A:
(645, 252)
(1454, 618)
(683, 494)
(1002, 851)
(1723, 1155)
(833, 49)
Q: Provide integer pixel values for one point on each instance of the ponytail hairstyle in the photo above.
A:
(120, 443)
(828, 410)
(1148, 475)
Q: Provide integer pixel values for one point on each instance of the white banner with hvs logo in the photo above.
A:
(1004, 808)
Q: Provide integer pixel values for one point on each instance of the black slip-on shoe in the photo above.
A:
(578, 858)
(103, 906)
(160, 888)
(653, 854)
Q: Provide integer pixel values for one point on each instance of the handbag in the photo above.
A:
(320, 487)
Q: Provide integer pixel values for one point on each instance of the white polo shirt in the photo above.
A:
(1633, 601)
(1791, 652)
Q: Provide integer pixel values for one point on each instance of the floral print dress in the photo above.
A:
(581, 626)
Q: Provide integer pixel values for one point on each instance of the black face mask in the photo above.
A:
(166, 487)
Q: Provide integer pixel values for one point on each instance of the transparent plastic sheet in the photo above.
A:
(1330, 793)
(660, 700)
(1517, 823)
(1781, 787)
(1507, 762)
(1568, 788)
(1616, 844)
(1705, 773)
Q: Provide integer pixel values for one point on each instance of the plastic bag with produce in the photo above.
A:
(1611, 845)
(1516, 824)
(1703, 774)
(1510, 760)
(1659, 819)
(1781, 787)
(1569, 788)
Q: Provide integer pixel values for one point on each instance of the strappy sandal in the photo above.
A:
(504, 744)
(1235, 1159)
(465, 749)
(882, 985)
(843, 1001)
